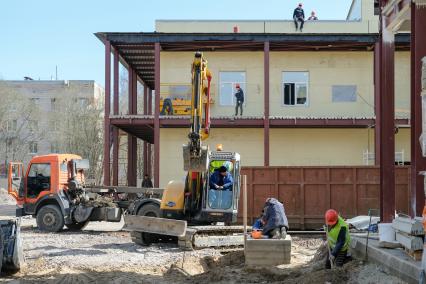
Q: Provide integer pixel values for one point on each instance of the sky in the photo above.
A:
(38, 35)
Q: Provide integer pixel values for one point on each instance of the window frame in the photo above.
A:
(233, 87)
(31, 148)
(283, 83)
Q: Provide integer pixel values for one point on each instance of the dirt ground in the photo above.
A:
(102, 253)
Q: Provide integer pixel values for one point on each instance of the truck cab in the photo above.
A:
(52, 190)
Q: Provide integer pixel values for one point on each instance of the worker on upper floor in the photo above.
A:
(239, 96)
(313, 17)
(275, 223)
(299, 16)
(338, 239)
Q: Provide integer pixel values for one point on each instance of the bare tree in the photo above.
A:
(79, 128)
(19, 131)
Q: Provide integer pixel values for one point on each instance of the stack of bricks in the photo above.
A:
(268, 252)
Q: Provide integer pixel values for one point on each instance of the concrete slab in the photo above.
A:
(268, 252)
(396, 260)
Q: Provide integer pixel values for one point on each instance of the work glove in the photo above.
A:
(332, 258)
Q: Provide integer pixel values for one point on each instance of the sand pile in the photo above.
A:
(5, 198)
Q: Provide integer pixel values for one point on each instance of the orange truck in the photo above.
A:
(53, 190)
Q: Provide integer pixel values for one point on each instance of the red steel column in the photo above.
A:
(266, 106)
(131, 140)
(377, 142)
(387, 125)
(115, 132)
(418, 162)
(150, 145)
(107, 143)
(145, 144)
(157, 117)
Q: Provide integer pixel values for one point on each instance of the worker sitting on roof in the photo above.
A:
(274, 220)
(338, 239)
(220, 193)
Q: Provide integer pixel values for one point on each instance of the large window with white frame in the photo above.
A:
(227, 87)
(295, 88)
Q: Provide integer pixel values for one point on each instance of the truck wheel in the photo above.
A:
(77, 226)
(146, 239)
(50, 218)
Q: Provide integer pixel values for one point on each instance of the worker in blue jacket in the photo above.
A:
(274, 220)
(220, 193)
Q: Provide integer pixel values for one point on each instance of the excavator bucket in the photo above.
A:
(195, 164)
(154, 225)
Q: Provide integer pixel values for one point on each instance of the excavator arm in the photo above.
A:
(195, 155)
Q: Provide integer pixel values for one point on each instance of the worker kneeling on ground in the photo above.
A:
(338, 239)
(220, 193)
(275, 223)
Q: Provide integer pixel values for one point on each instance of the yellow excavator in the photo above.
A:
(191, 212)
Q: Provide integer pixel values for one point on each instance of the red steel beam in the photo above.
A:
(418, 162)
(157, 117)
(377, 141)
(131, 140)
(107, 145)
(387, 125)
(266, 105)
(115, 132)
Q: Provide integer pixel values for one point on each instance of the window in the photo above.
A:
(54, 147)
(35, 101)
(343, 93)
(228, 81)
(53, 104)
(83, 102)
(38, 179)
(33, 125)
(12, 125)
(54, 125)
(33, 147)
(295, 88)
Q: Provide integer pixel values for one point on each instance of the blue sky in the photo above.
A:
(37, 35)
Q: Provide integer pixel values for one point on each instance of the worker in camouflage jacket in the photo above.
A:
(274, 220)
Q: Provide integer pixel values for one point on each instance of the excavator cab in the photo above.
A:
(222, 205)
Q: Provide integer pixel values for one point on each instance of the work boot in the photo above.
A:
(276, 234)
(283, 233)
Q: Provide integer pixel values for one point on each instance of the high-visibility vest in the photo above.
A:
(333, 234)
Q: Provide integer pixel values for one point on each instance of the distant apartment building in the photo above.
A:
(30, 119)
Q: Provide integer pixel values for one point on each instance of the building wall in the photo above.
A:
(326, 69)
(247, 142)
(176, 69)
(288, 147)
(44, 92)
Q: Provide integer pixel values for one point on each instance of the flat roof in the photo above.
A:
(137, 49)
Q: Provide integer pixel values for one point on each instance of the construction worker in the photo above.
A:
(239, 95)
(299, 16)
(220, 193)
(275, 223)
(147, 182)
(338, 239)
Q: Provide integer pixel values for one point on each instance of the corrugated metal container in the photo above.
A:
(307, 192)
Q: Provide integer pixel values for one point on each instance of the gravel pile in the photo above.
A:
(5, 198)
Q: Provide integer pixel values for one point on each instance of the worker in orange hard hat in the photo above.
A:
(338, 239)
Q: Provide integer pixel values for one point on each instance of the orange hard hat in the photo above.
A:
(256, 234)
(331, 217)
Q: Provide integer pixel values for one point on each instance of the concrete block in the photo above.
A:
(410, 242)
(408, 225)
(268, 252)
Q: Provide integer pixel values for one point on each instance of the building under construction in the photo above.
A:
(324, 123)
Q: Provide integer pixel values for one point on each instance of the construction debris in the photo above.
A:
(408, 225)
